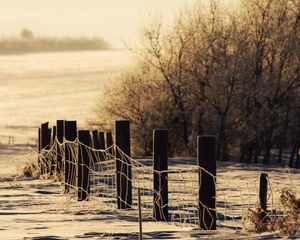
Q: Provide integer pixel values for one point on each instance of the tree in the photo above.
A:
(213, 72)
(26, 34)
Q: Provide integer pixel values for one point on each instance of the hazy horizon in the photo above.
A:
(115, 21)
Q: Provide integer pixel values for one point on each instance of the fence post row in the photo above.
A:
(83, 178)
(60, 125)
(70, 168)
(206, 154)
(160, 165)
(123, 165)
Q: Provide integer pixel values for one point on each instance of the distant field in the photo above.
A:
(47, 86)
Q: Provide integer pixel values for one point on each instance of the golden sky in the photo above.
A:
(114, 20)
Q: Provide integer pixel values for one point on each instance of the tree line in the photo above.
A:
(231, 73)
(27, 42)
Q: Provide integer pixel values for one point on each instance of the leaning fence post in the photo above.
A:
(263, 191)
(123, 167)
(70, 168)
(206, 154)
(160, 165)
(60, 125)
(83, 179)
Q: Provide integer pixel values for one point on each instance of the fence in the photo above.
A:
(93, 166)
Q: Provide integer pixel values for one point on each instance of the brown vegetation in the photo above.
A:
(286, 222)
(233, 74)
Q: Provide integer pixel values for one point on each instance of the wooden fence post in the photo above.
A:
(45, 137)
(206, 154)
(83, 179)
(102, 140)
(39, 148)
(109, 141)
(263, 191)
(53, 144)
(123, 167)
(39, 141)
(53, 136)
(102, 145)
(160, 165)
(45, 144)
(95, 137)
(96, 145)
(60, 125)
(70, 168)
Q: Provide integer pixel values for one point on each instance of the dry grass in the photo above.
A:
(286, 223)
(289, 223)
(32, 169)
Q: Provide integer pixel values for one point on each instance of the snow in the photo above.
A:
(37, 209)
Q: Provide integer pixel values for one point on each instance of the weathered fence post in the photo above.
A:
(96, 145)
(102, 145)
(53, 136)
(123, 167)
(160, 165)
(60, 125)
(263, 191)
(206, 153)
(95, 137)
(109, 141)
(39, 141)
(102, 140)
(70, 168)
(45, 136)
(140, 215)
(39, 149)
(83, 178)
(45, 144)
(53, 144)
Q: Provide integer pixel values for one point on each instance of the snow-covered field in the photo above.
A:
(37, 209)
(47, 86)
(35, 88)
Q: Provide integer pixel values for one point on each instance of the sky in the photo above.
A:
(114, 20)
